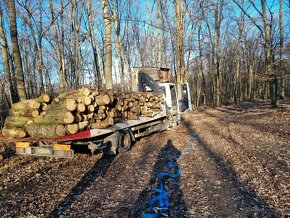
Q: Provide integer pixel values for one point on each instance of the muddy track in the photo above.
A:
(237, 168)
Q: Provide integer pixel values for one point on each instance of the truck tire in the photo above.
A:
(125, 142)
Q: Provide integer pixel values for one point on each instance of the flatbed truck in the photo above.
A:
(119, 137)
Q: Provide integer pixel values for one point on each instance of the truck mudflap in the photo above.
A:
(55, 150)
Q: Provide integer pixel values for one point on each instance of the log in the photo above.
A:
(119, 107)
(78, 118)
(13, 132)
(91, 108)
(71, 104)
(95, 93)
(72, 128)
(102, 99)
(16, 122)
(83, 125)
(79, 93)
(81, 107)
(101, 111)
(43, 98)
(21, 113)
(44, 107)
(106, 123)
(86, 100)
(56, 118)
(45, 131)
(92, 97)
(86, 91)
(60, 130)
(35, 113)
(23, 105)
(79, 100)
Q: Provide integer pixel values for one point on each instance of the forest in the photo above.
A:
(228, 51)
(71, 118)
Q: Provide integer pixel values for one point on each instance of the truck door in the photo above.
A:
(186, 100)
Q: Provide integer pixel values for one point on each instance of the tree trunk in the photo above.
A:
(119, 45)
(59, 52)
(93, 43)
(159, 55)
(108, 45)
(282, 73)
(201, 66)
(268, 57)
(76, 46)
(16, 51)
(180, 47)
(39, 45)
(237, 82)
(218, 11)
(5, 58)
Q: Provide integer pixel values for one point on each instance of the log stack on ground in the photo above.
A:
(76, 111)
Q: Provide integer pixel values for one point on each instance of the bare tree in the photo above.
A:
(281, 52)
(120, 51)
(108, 43)
(5, 58)
(93, 44)
(179, 15)
(58, 50)
(16, 51)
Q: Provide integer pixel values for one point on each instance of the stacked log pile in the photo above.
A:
(77, 110)
(22, 113)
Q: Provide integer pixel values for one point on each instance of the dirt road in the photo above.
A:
(238, 167)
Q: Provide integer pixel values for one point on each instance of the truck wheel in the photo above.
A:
(125, 142)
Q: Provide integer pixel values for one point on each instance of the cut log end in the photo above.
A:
(35, 113)
(43, 98)
(14, 133)
(68, 118)
(60, 130)
(71, 104)
(86, 100)
(72, 128)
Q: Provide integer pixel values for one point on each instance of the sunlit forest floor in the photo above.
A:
(238, 167)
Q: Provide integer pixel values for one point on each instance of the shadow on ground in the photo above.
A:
(175, 194)
(98, 170)
(249, 197)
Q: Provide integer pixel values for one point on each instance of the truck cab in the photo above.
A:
(155, 79)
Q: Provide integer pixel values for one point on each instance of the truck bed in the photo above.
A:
(93, 132)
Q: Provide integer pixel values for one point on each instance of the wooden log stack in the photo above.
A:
(76, 111)
(23, 113)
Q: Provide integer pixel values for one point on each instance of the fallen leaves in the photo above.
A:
(239, 166)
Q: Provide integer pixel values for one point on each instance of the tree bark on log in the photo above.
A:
(16, 122)
(13, 133)
(56, 118)
(24, 105)
(44, 98)
(45, 131)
